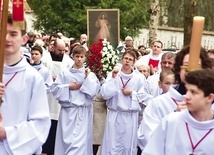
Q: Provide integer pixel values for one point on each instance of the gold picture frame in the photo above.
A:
(103, 23)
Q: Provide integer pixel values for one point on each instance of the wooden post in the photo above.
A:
(3, 32)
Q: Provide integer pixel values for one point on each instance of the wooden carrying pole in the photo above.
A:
(195, 43)
(3, 32)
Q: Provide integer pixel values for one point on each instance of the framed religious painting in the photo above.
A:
(103, 24)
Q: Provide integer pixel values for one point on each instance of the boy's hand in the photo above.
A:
(115, 71)
(87, 71)
(54, 78)
(181, 106)
(153, 70)
(126, 91)
(74, 86)
(31, 61)
(2, 88)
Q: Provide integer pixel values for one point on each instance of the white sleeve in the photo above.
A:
(150, 119)
(156, 144)
(29, 135)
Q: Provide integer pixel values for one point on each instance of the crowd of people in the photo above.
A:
(150, 104)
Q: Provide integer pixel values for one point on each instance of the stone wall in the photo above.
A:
(172, 38)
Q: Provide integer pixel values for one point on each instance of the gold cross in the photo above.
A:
(17, 3)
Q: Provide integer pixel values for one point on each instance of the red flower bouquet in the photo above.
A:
(102, 58)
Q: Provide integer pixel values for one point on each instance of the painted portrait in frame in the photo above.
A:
(103, 23)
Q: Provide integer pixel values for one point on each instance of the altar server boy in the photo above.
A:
(35, 61)
(123, 89)
(171, 101)
(24, 113)
(75, 89)
(189, 131)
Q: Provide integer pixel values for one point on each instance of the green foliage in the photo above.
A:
(59, 15)
(70, 16)
(177, 12)
(133, 17)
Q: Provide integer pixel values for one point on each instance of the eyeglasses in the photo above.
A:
(126, 58)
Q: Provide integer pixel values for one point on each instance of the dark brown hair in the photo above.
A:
(203, 79)
(10, 21)
(37, 48)
(205, 61)
(79, 49)
(132, 52)
(157, 41)
(210, 51)
(55, 35)
(141, 46)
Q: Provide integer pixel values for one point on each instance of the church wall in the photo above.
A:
(172, 38)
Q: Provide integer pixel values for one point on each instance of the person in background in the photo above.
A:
(144, 69)
(75, 88)
(73, 43)
(49, 49)
(53, 37)
(171, 101)
(83, 41)
(56, 62)
(35, 61)
(151, 85)
(67, 49)
(211, 56)
(50, 46)
(26, 48)
(153, 59)
(190, 131)
(142, 47)
(121, 48)
(45, 39)
(24, 113)
(167, 78)
(122, 90)
(31, 40)
(129, 42)
(142, 50)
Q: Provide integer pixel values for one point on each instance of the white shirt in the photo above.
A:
(171, 136)
(24, 111)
